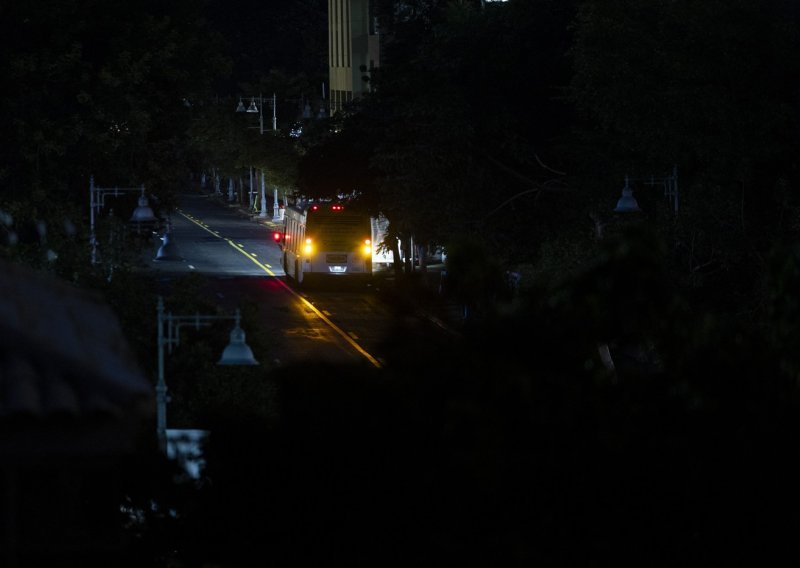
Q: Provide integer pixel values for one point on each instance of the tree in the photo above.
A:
(101, 90)
(106, 93)
(436, 146)
(513, 443)
(710, 89)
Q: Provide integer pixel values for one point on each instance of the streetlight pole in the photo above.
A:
(263, 213)
(276, 210)
(627, 202)
(260, 113)
(259, 108)
(236, 353)
(97, 195)
(250, 192)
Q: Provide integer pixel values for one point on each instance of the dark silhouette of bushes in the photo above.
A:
(515, 444)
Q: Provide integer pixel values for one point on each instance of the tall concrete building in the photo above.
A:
(353, 49)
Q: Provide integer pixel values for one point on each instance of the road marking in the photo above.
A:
(308, 304)
(336, 328)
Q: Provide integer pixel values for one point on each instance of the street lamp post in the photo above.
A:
(627, 202)
(251, 191)
(276, 210)
(259, 108)
(263, 213)
(236, 353)
(142, 214)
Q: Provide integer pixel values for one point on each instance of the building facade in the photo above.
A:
(353, 49)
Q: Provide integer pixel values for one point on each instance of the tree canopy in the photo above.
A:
(107, 93)
(520, 120)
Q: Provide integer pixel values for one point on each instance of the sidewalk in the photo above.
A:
(268, 220)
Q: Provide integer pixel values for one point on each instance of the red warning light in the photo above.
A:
(314, 207)
(276, 236)
(337, 207)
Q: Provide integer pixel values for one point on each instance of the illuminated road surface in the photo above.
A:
(241, 267)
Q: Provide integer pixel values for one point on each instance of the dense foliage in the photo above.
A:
(514, 443)
(140, 93)
(519, 121)
(105, 94)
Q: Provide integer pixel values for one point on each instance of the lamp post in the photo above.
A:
(263, 213)
(251, 192)
(142, 214)
(217, 182)
(276, 210)
(169, 327)
(168, 249)
(259, 108)
(627, 202)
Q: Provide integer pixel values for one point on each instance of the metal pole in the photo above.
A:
(250, 189)
(92, 237)
(274, 115)
(276, 213)
(261, 112)
(263, 213)
(161, 385)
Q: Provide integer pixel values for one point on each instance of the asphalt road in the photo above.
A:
(239, 264)
(204, 233)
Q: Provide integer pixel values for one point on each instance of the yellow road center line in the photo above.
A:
(308, 304)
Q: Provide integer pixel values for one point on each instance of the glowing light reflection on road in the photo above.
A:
(286, 287)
